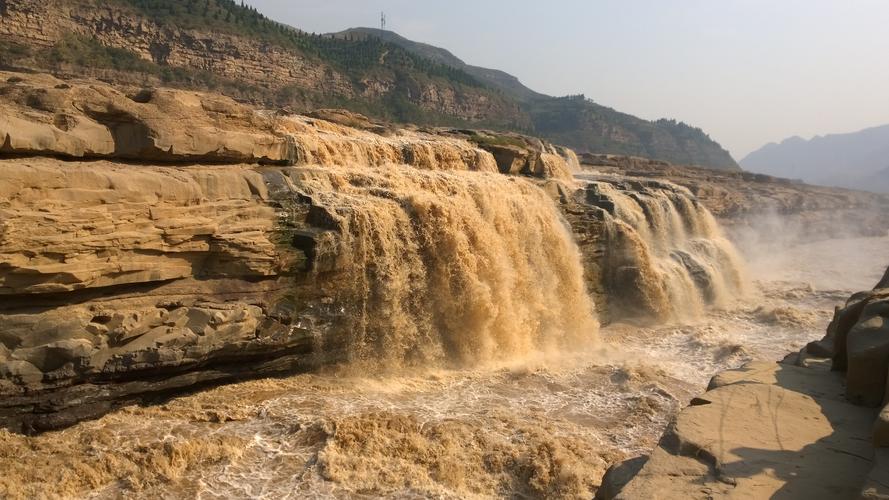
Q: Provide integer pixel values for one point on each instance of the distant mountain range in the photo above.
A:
(858, 160)
(229, 47)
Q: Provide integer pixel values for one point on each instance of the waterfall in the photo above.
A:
(318, 142)
(665, 255)
(452, 266)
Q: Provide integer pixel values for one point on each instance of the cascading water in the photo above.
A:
(463, 267)
(665, 255)
(444, 269)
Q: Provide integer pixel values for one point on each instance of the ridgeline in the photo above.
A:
(229, 47)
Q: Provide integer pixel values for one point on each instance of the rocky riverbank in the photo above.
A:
(155, 240)
(808, 427)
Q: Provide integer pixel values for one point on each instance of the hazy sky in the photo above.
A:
(746, 71)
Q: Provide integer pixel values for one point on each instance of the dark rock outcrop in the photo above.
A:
(857, 340)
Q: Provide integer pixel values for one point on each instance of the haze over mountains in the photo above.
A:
(577, 121)
(858, 160)
(228, 47)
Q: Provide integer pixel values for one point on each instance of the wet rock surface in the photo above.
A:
(210, 242)
(759, 208)
(652, 251)
(162, 240)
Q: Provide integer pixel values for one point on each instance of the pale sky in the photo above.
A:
(748, 72)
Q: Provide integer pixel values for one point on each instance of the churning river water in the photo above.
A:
(543, 427)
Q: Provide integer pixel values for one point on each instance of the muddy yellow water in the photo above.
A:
(542, 426)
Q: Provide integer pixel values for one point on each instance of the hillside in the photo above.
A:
(856, 160)
(219, 45)
(224, 46)
(576, 121)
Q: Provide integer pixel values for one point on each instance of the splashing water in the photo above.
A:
(458, 267)
(669, 259)
(537, 423)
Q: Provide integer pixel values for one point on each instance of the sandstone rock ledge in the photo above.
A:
(806, 428)
(763, 431)
(155, 240)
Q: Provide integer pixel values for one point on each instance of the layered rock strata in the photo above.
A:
(238, 57)
(119, 280)
(154, 240)
(157, 240)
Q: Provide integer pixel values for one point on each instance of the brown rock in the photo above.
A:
(757, 439)
(844, 320)
(37, 116)
(877, 485)
(868, 355)
(881, 429)
(145, 278)
(618, 475)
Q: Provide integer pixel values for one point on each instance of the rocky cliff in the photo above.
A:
(809, 427)
(221, 46)
(247, 57)
(154, 240)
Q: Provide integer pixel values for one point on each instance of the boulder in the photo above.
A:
(821, 348)
(867, 347)
(21, 372)
(510, 159)
(55, 355)
(843, 320)
(550, 166)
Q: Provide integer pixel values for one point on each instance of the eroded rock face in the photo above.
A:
(43, 23)
(122, 282)
(43, 115)
(859, 333)
(157, 240)
(867, 352)
(142, 274)
(652, 250)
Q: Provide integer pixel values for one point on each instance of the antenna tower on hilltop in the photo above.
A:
(383, 21)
